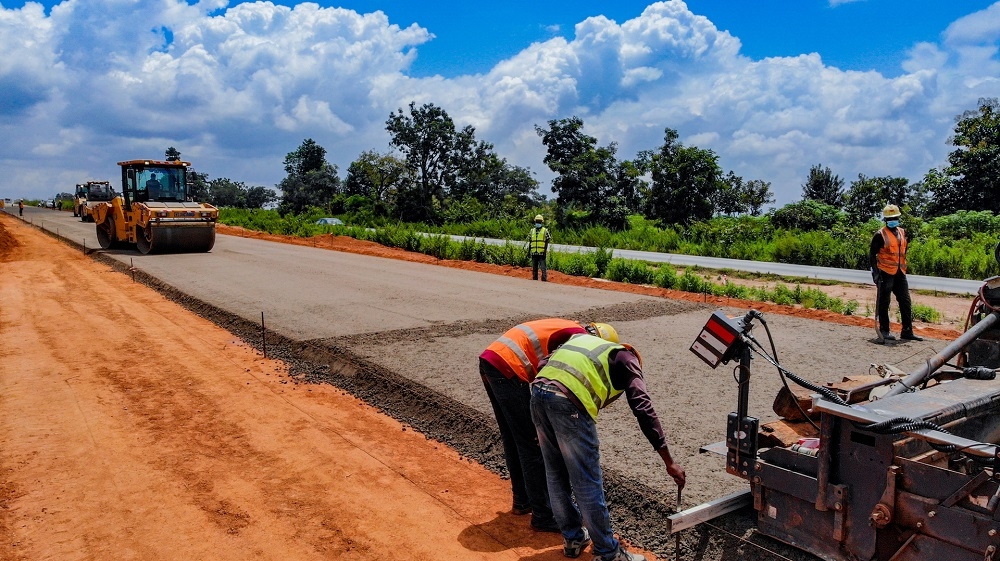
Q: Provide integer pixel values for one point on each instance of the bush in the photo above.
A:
(692, 282)
(630, 271)
(576, 264)
(807, 215)
(666, 277)
(926, 314)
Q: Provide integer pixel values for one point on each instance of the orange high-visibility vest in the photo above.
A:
(522, 346)
(892, 256)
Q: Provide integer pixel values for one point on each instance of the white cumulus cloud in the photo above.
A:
(236, 87)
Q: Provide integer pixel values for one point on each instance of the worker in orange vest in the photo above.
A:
(507, 367)
(887, 258)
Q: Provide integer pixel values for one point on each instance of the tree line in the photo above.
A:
(441, 173)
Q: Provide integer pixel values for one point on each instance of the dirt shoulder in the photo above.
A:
(952, 308)
(131, 428)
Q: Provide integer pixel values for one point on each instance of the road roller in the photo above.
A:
(154, 211)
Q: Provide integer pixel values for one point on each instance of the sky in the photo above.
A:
(772, 87)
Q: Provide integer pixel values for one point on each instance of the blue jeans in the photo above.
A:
(511, 401)
(572, 454)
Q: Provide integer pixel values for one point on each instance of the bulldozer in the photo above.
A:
(888, 466)
(154, 211)
(90, 192)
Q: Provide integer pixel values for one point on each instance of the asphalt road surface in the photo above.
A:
(427, 325)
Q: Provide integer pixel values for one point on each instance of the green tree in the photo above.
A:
(172, 155)
(686, 181)
(311, 180)
(807, 215)
(728, 198)
(823, 186)
(375, 176)
(259, 196)
(756, 193)
(426, 137)
(228, 193)
(975, 164)
(934, 182)
(867, 196)
(198, 186)
(587, 175)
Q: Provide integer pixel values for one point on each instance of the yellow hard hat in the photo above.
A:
(605, 331)
(539, 218)
(890, 211)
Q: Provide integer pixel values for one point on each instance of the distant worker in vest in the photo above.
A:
(583, 376)
(506, 367)
(538, 247)
(887, 258)
(20, 207)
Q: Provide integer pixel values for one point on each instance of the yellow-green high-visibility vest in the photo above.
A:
(537, 245)
(581, 365)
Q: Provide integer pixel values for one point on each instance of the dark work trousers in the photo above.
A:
(536, 262)
(511, 400)
(887, 286)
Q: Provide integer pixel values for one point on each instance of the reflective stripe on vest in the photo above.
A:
(892, 256)
(522, 346)
(582, 366)
(537, 245)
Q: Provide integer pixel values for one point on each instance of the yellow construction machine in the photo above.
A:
(154, 212)
(87, 195)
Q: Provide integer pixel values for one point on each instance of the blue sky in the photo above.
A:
(865, 87)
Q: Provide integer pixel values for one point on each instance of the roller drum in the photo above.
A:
(175, 239)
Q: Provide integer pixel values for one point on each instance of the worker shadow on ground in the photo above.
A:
(509, 532)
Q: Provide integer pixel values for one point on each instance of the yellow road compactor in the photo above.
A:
(88, 195)
(154, 212)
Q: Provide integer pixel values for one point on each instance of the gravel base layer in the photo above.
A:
(639, 511)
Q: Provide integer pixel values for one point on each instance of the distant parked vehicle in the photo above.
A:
(330, 222)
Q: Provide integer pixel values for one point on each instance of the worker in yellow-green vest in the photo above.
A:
(507, 368)
(887, 258)
(581, 377)
(538, 245)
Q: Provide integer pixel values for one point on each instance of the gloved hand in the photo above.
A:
(876, 275)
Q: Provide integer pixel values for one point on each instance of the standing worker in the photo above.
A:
(20, 207)
(574, 383)
(538, 246)
(887, 258)
(507, 366)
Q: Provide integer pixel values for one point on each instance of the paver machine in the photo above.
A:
(888, 466)
(154, 211)
(87, 195)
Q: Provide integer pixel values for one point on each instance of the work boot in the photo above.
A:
(520, 510)
(573, 549)
(883, 336)
(622, 555)
(910, 336)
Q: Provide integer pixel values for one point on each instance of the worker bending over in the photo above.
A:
(583, 376)
(506, 367)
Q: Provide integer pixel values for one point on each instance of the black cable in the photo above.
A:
(781, 375)
(828, 393)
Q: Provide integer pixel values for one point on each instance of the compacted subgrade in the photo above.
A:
(638, 512)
